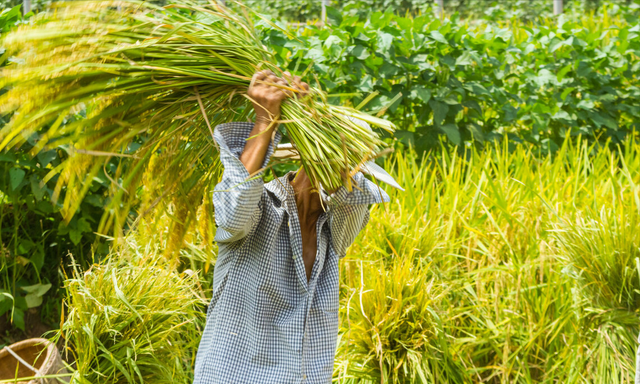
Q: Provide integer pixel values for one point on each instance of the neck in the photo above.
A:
(307, 199)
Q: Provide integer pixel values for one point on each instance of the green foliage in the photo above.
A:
(8, 19)
(34, 238)
(479, 83)
(488, 10)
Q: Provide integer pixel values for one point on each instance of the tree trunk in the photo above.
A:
(557, 7)
(323, 16)
(440, 9)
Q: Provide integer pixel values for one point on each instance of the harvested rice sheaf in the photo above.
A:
(155, 80)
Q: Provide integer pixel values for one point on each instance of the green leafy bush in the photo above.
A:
(494, 10)
(34, 238)
(478, 83)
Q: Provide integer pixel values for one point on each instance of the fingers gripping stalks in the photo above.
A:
(267, 91)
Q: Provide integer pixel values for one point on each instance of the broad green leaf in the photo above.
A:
(83, 225)
(465, 59)
(25, 245)
(566, 92)
(6, 302)
(452, 132)
(37, 187)
(421, 93)
(332, 40)
(476, 132)
(16, 175)
(37, 257)
(334, 17)
(563, 72)
(405, 137)
(562, 115)
(440, 111)
(360, 52)
(585, 104)
(17, 318)
(46, 157)
(384, 41)
(37, 289)
(9, 157)
(545, 77)
(437, 36)
(603, 120)
(405, 23)
(388, 70)
(75, 236)
(33, 300)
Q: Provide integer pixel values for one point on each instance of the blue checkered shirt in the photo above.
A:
(266, 323)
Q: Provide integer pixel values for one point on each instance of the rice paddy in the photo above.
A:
(494, 266)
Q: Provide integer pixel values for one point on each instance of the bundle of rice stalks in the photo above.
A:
(153, 81)
(132, 320)
(392, 332)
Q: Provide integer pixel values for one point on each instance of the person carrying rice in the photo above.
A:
(273, 317)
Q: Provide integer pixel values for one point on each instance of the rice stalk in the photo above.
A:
(535, 260)
(152, 81)
(132, 320)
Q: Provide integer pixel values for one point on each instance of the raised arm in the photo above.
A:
(245, 149)
(266, 100)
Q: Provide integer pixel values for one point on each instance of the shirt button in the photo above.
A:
(304, 377)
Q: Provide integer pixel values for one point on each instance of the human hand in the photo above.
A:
(267, 92)
(302, 88)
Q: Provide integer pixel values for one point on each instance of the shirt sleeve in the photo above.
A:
(236, 197)
(349, 211)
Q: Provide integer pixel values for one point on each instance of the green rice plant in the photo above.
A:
(151, 81)
(494, 232)
(133, 320)
(393, 330)
(601, 249)
(469, 276)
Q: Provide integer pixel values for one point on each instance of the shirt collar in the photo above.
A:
(280, 187)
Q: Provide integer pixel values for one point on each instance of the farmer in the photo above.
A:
(273, 317)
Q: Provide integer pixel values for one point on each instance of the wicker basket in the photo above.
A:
(42, 356)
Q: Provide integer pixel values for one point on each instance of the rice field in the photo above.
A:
(494, 266)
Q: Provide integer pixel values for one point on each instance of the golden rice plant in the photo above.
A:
(153, 81)
(524, 266)
(132, 320)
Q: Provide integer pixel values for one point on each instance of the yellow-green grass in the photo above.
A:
(494, 266)
(498, 267)
(133, 319)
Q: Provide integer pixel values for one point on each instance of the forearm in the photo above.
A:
(255, 149)
(237, 195)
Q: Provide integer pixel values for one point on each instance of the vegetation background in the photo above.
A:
(513, 256)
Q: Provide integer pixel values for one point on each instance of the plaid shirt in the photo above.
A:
(266, 323)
